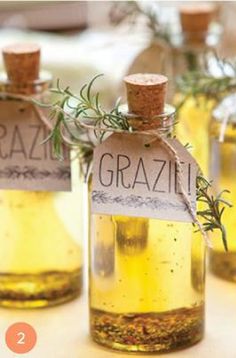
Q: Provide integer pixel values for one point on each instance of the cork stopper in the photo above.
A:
(146, 94)
(22, 62)
(196, 18)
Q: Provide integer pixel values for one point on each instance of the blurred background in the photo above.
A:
(80, 39)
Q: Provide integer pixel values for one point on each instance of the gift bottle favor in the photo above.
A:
(146, 274)
(40, 232)
(193, 50)
(223, 171)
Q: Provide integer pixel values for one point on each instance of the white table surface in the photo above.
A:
(63, 330)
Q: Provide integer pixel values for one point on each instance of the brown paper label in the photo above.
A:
(26, 163)
(132, 178)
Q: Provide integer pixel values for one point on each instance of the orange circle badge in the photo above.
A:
(21, 337)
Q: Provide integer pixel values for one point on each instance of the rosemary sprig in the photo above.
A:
(205, 83)
(75, 117)
(214, 208)
(132, 10)
(68, 128)
(200, 83)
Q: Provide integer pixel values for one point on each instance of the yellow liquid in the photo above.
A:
(146, 284)
(193, 128)
(40, 257)
(223, 155)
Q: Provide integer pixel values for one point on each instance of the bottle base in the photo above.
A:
(223, 265)
(148, 332)
(39, 290)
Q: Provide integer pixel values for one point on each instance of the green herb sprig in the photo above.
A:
(132, 10)
(203, 83)
(214, 208)
(69, 113)
(200, 83)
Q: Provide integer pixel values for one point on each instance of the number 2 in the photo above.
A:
(22, 338)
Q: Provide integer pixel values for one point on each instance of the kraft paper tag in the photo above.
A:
(133, 178)
(26, 163)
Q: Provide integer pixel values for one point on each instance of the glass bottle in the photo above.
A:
(146, 275)
(189, 43)
(223, 171)
(193, 49)
(40, 231)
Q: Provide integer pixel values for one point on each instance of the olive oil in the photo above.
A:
(40, 258)
(147, 293)
(40, 231)
(223, 170)
(193, 128)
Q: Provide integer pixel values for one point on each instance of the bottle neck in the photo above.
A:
(163, 123)
(198, 42)
(33, 89)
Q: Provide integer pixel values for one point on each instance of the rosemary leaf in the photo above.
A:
(215, 207)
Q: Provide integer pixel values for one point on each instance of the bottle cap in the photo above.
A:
(146, 94)
(22, 62)
(196, 18)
